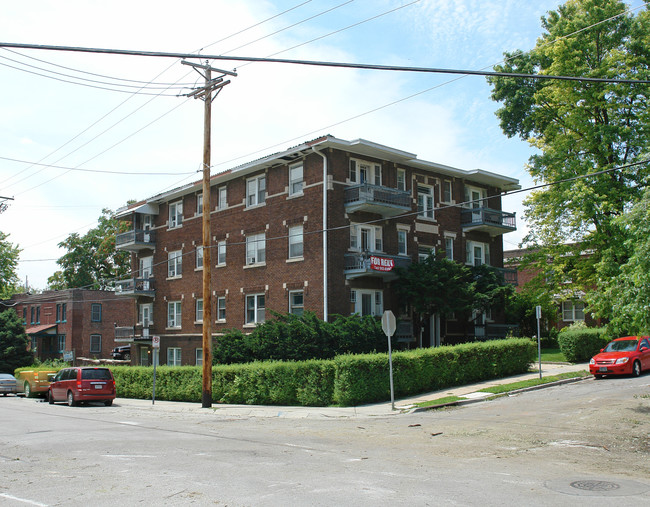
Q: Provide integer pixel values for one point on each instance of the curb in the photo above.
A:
(499, 395)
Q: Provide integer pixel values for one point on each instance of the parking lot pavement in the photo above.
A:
(382, 409)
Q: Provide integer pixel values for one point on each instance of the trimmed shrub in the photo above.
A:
(581, 343)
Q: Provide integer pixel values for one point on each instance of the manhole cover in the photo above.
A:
(595, 485)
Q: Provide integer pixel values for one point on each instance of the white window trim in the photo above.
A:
(291, 306)
(449, 254)
(469, 253)
(199, 203)
(175, 257)
(256, 179)
(176, 361)
(175, 219)
(444, 184)
(373, 170)
(469, 202)
(199, 256)
(197, 319)
(401, 171)
(301, 243)
(198, 356)
(296, 181)
(404, 231)
(572, 310)
(222, 199)
(219, 299)
(221, 245)
(255, 261)
(375, 237)
(256, 310)
(178, 315)
(376, 299)
(427, 210)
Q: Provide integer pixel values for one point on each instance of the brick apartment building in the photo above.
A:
(76, 322)
(319, 227)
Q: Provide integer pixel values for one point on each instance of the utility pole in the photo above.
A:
(206, 94)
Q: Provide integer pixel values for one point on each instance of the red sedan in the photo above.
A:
(624, 356)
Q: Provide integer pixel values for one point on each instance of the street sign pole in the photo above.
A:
(155, 344)
(388, 324)
(538, 314)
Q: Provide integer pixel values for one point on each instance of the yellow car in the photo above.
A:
(34, 382)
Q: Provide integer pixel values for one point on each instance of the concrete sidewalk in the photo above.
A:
(383, 409)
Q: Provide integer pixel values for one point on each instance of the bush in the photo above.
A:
(580, 343)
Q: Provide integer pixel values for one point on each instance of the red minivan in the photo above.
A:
(80, 384)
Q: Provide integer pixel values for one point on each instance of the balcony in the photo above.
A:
(135, 287)
(369, 264)
(136, 240)
(509, 275)
(494, 222)
(385, 201)
(129, 334)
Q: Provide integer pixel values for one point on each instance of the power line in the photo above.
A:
(346, 65)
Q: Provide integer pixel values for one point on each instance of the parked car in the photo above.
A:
(629, 355)
(122, 352)
(34, 382)
(7, 384)
(81, 384)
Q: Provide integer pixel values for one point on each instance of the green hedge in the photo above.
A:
(346, 380)
(580, 343)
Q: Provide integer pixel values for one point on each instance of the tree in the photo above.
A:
(580, 128)
(9, 255)
(13, 342)
(92, 260)
(624, 289)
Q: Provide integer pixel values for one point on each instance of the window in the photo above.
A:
(58, 313)
(368, 302)
(366, 238)
(173, 356)
(401, 179)
(199, 257)
(199, 357)
(64, 312)
(364, 172)
(477, 253)
(25, 315)
(145, 314)
(95, 344)
(199, 311)
(223, 198)
(199, 204)
(446, 191)
(175, 264)
(424, 252)
(146, 267)
(255, 249)
(474, 197)
(255, 309)
(256, 191)
(32, 309)
(425, 201)
(221, 309)
(353, 296)
(295, 180)
(96, 312)
(175, 214)
(174, 314)
(402, 235)
(573, 310)
(221, 253)
(296, 302)
(449, 248)
(60, 343)
(295, 242)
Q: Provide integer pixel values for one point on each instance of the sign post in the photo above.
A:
(538, 314)
(155, 345)
(388, 325)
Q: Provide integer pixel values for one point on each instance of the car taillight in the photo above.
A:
(35, 374)
(78, 384)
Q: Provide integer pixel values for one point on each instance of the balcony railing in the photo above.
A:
(377, 199)
(492, 221)
(135, 287)
(132, 333)
(374, 264)
(135, 240)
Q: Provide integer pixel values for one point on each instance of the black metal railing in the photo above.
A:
(487, 216)
(147, 237)
(135, 286)
(376, 194)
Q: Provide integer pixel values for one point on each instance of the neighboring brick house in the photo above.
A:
(380, 208)
(569, 309)
(77, 321)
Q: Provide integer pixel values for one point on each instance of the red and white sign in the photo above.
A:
(381, 263)
(155, 342)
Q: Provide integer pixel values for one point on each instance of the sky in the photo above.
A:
(82, 132)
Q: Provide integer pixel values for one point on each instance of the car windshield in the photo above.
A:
(621, 346)
(96, 374)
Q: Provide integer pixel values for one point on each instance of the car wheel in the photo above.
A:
(127, 357)
(50, 398)
(108, 403)
(636, 369)
(28, 390)
(71, 402)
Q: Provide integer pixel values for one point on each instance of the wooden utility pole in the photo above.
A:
(206, 94)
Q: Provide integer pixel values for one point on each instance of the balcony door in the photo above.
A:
(146, 267)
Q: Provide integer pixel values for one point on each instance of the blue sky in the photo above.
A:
(268, 107)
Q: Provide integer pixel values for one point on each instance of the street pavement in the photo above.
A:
(383, 409)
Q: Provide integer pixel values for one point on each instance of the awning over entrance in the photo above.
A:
(43, 329)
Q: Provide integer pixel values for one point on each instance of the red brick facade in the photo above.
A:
(375, 209)
(75, 320)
